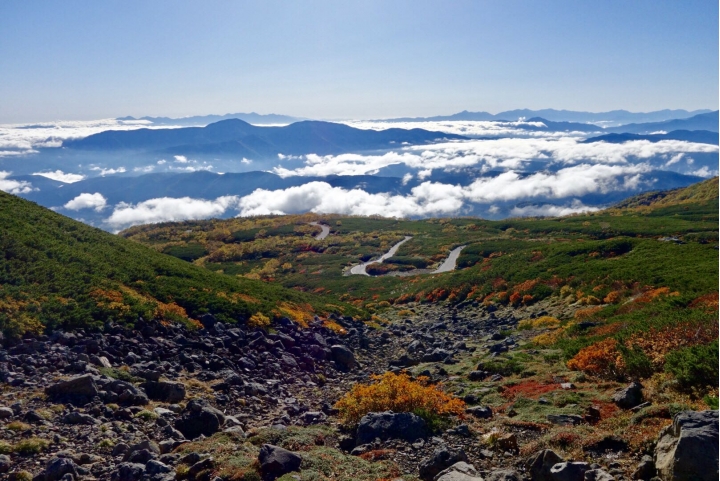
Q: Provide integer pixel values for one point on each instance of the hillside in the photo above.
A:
(56, 272)
(698, 193)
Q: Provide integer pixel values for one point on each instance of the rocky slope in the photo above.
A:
(161, 402)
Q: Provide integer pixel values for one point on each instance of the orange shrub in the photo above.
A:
(399, 393)
(613, 297)
(515, 298)
(586, 313)
(599, 359)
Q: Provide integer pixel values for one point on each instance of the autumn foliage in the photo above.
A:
(399, 393)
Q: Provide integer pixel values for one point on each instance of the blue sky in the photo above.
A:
(368, 59)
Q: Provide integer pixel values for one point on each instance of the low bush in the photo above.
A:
(695, 366)
(399, 393)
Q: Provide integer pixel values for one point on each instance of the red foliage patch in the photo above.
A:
(529, 389)
(607, 409)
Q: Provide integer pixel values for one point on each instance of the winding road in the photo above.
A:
(448, 264)
(325, 230)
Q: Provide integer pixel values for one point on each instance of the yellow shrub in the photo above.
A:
(399, 393)
(259, 320)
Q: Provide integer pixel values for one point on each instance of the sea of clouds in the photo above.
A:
(569, 169)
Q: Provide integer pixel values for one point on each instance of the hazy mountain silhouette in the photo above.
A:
(698, 136)
(706, 121)
(200, 120)
(241, 138)
(614, 116)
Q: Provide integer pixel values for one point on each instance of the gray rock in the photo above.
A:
(343, 356)
(442, 458)
(56, 468)
(5, 463)
(80, 389)
(504, 475)
(645, 469)
(459, 467)
(565, 419)
(199, 418)
(538, 466)
(480, 412)
(276, 461)
(76, 417)
(390, 425)
(569, 471)
(156, 467)
(688, 448)
(128, 472)
(629, 397)
(598, 475)
(164, 391)
(313, 417)
(6, 413)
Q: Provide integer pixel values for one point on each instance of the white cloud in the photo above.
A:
(674, 159)
(406, 178)
(14, 186)
(87, 201)
(495, 154)
(705, 172)
(111, 171)
(25, 138)
(468, 128)
(551, 210)
(167, 209)
(145, 169)
(568, 182)
(61, 176)
(245, 161)
(181, 159)
(161, 162)
(425, 199)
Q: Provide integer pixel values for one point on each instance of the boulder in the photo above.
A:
(79, 389)
(128, 472)
(480, 412)
(688, 448)
(199, 418)
(276, 461)
(629, 397)
(343, 356)
(442, 458)
(5, 463)
(569, 471)
(598, 475)
(164, 391)
(645, 469)
(504, 475)
(538, 466)
(390, 425)
(76, 417)
(56, 468)
(460, 471)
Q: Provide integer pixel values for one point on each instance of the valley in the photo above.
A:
(237, 349)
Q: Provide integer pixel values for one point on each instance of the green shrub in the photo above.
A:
(695, 366)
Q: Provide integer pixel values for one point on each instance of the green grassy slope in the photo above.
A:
(55, 271)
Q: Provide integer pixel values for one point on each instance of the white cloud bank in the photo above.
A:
(61, 176)
(14, 186)
(19, 139)
(426, 199)
(495, 154)
(167, 209)
(94, 201)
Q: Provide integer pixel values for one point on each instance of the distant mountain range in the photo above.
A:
(706, 121)
(237, 137)
(613, 117)
(200, 120)
(698, 136)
